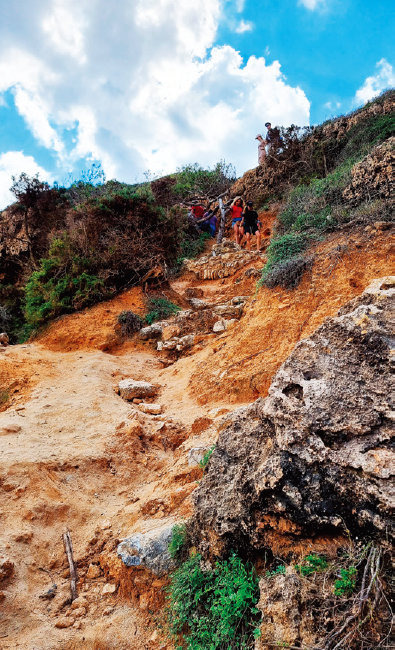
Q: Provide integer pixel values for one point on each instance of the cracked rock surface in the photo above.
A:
(314, 457)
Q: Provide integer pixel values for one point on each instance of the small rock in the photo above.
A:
(65, 621)
(79, 602)
(379, 225)
(130, 388)
(7, 570)
(137, 400)
(109, 589)
(8, 429)
(219, 326)
(81, 611)
(186, 342)
(195, 455)
(107, 611)
(151, 409)
(4, 339)
(51, 593)
(197, 303)
(94, 571)
(149, 549)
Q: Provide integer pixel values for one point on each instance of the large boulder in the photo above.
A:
(314, 457)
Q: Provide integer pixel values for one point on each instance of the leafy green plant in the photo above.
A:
(191, 247)
(192, 180)
(345, 585)
(178, 540)
(213, 608)
(160, 308)
(280, 570)
(311, 564)
(205, 460)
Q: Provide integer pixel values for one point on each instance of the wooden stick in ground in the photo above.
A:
(68, 547)
(222, 222)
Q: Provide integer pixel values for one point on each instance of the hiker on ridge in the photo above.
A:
(250, 225)
(271, 144)
(237, 216)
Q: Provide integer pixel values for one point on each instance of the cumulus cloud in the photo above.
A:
(13, 163)
(142, 87)
(374, 85)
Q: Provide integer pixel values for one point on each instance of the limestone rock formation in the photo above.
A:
(374, 176)
(313, 458)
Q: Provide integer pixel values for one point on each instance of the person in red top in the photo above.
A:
(237, 215)
(198, 211)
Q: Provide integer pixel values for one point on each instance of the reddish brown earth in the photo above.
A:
(76, 456)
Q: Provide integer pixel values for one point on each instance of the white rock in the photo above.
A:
(130, 388)
(109, 589)
(151, 409)
(219, 326)
(196, 454)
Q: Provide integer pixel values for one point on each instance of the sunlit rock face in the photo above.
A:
(313, 458)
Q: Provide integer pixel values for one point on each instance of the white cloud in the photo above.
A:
(374, 85)
(13, 163)
(312, 4)
(244, 26)
(142, 87)
(332, 106)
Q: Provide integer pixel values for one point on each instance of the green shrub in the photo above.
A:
(129, 322)
(286, 274)
(360, 139)
(345, 585)
(282, 248)
(194, 180)
(191, 247)
(312, 564)
(178, 540)
(280, 570)
(159, 309)
(213, 609)
(205, 460)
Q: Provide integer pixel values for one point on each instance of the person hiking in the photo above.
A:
(237, 216)
(250, 225)
(271, 144)
(261, 149)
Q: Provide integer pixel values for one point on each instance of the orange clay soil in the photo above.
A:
(92, 328)
(76, 456)
(242, 362)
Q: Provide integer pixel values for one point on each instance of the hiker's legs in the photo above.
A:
(261, 153)
(248, 238)
(258, 240)
(237, 232)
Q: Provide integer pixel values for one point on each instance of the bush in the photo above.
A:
(345, 585)
(213, 609)
(129, 322)
(160, 309)
(286, 274)
(178, 540)
(312, 563)
(194, 180)
(60, 285)
(4, 318)
(280, 570)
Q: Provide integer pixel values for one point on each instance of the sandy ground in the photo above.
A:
(76, 456)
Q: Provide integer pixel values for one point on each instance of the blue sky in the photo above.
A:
(149, 85)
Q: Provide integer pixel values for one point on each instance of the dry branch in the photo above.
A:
(68, 547)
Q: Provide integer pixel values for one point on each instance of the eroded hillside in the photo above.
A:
(301, 473)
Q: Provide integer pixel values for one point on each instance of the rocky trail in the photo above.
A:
(77, 456)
